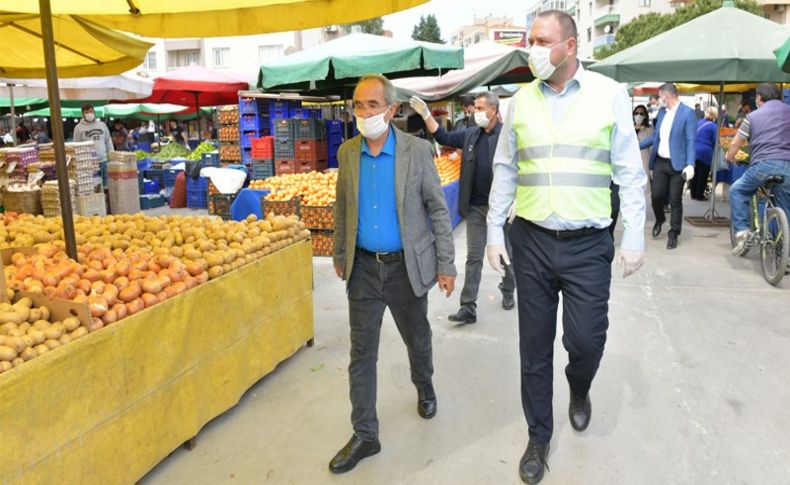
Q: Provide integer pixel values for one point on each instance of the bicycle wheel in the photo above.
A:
(752, 227)
(775, 245)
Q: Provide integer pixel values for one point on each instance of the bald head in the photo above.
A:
(565, 21)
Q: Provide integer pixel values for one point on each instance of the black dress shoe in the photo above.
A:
(426, 402)
(464, 315)
(508, 302)
(356, 449)
(580, 411)
(533, 462)
(672, 241)
(657, 228)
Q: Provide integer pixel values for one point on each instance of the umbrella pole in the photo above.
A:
(13, 113)
(711, 214)
(57, 128)
(197, 113)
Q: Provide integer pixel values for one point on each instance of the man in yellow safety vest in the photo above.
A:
(566, 137)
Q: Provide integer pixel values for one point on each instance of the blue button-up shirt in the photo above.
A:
(378, 228)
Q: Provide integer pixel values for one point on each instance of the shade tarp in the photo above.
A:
(726, 45)
(783, 55)
(212, 18)
(486, 63)
(119, 87)
(341, 61)
(193, 85)
(82, 48)
(137, 111)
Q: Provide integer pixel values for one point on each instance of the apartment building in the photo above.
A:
(776, 10)
(489, 28)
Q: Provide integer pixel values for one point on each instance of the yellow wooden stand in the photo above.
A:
(109, 407)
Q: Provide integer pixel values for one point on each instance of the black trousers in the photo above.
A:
(374, 287)
(700, 181)
(580, 269)
(667, 188)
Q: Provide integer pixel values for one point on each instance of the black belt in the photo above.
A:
(585, 231)
(383, 257)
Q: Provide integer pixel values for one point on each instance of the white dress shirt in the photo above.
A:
(626, 162)
(665, 131)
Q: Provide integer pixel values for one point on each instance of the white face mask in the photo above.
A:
(90, 117)
(540, 61)
(481, 119)
(639, 119)
(373, 127)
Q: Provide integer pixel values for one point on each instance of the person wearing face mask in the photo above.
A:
(392, 243)
(468, 119)
(566, 136)
(643, 131)
(89, 128)
(671, 160)
(704, 144)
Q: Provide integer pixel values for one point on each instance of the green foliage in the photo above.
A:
(371, 26)
(427, 30)
(649, 25)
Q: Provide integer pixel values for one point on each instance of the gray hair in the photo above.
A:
(390, 91)
(491, 98)
(669, 88)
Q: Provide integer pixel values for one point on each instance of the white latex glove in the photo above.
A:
(496, 254)
(631, 261)
(420, 107)
(688, 173)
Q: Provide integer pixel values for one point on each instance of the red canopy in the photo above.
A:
(196, 85)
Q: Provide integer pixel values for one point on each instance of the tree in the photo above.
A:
(427, 30)
(373, 26)
(650, 25)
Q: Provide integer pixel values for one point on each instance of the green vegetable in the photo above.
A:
(141, 155)
(173, 150)
(204, 147)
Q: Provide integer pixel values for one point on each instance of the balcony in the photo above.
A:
(603, 41)
(609, 14)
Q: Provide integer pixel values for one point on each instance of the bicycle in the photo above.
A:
(770, 232)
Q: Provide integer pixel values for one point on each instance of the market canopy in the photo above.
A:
(340, 62)
(119, 87)
(783, 55)
(726, 45)
(212, 18)
(196, 85)
(486, 63)
(645, 89)
(140, 111)
(83, 47)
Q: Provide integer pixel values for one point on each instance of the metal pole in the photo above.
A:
(711, 214)
(13, 113)
(57, 128)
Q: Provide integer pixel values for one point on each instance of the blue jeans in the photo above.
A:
(745, 187)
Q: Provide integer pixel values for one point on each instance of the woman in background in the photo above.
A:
(643, 130)
(703, 148)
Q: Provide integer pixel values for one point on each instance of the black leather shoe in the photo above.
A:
(464, 315)
(580, 411)
(426, 402)
(672, 241)
(533, 463)
(657, 228)
(508, 302)
(356, 449)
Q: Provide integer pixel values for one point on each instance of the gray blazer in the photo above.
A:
(424, 219)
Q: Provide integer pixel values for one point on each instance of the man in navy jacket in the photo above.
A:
(671, 159)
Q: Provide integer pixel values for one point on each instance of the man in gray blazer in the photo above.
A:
(393, 242)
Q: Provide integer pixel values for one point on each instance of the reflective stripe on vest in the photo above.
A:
(565, 170)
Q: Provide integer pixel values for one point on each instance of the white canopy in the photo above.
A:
(121, 87)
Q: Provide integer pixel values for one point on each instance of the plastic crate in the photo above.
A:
(284, 166)
(253, 106)
(263, 147)
(323, 242)
(169, 177)
(309, 129)
(284, 149)
(199, 184)
(331, 162)
(91, 205)
(151, 187)
(309, 150)
(283, 128)
(219, 205)
(281, 208)
(316, 217)
(334, 127)
(210, 159)
(283, 104)
(140, 182)
(250, 123)
(197, 200)
(332, 149)
(311, 166)
(156, 174)
(151, 201)
(261, 170)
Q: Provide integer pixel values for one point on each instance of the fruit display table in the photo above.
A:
(110, 406)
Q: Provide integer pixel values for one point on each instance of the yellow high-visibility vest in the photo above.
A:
(566, 169)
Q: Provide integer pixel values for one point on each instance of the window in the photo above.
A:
(644, 3)
(221, 56)
(589, 35)
(268, 53)
(149, 63)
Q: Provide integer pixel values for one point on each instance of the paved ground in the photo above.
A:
(693, 389)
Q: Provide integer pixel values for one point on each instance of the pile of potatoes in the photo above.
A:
(27, 332)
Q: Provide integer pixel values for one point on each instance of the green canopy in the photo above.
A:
(136, 111)
(726, 45)
(339, 63)
(783, 56)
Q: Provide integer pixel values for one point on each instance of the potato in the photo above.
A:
(15, 333)
(71, 323)
(41, 349)
(64, 339)
(37, 336)
(4, 328)
(41, 325)
(14, 317)
(52, 344)
(24, 327)
(7, 353)
(53, 333)
(35, 314)
(18, 361)
(78, 333)
(5, 307)
(5, 366)
(24, 302)
(44, 313)
(28, 340)
(28, 354)
(15, 343)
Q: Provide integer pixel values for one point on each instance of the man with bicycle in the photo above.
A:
(767, 131)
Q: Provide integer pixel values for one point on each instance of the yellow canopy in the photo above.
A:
(82, 48)
(213, 18)
(714, 88)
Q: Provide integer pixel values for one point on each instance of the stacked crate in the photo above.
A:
(50, 198)
(83, 163)
(229, 135)
(310, 145)
(262, 164)
(122, 179)
(197, 193)
(17, 160)
(334, 138)
(254, 122)
(284, 157)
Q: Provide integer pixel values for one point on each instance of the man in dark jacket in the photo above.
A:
(478, 145)
(468, 108)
